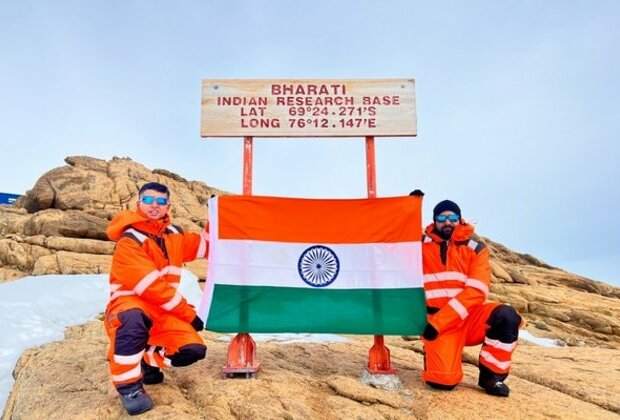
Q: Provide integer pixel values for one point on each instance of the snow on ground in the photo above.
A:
(543, 342)
(36, 310)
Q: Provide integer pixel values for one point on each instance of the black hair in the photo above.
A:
(155, 186)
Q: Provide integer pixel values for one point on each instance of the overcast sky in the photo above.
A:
(517, 102)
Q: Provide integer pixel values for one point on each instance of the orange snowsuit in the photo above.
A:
(146, 316)
(457, 276)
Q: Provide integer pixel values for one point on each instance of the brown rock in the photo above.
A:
(46, 265)
(70, 207)
(19, 255)
(541, 325)
(72, 224)
(8, 274)
(82, 246)
(312, 381)
(12, 220)
(500, 272)
(517, 277)
(508, 294)
(72, 263)
(546, 310)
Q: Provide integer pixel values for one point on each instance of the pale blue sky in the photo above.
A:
(518, 112)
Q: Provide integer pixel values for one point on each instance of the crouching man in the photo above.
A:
(149, 323)
(457, 277)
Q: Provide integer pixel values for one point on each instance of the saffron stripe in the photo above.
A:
(299, 220)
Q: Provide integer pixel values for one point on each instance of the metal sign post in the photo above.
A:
(241, 357)
(307, 108)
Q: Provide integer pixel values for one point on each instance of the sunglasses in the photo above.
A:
(442, 218)
(149, 199)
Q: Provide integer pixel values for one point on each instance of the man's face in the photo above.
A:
(445, 222)
(153, 204)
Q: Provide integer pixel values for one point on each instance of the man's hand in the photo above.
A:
(430, 333)
(198, 324)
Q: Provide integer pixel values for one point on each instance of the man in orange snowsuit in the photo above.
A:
(457, 277)
(149, 323)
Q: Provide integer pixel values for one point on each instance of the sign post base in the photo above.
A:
(241, 357)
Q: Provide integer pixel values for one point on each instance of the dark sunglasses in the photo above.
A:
(149, 199)
(442, 218)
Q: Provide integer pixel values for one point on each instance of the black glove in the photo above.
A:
(430, 333)
(417, 193)
(198, 324)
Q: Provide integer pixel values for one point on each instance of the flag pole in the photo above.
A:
(242, 349)
(379, 355)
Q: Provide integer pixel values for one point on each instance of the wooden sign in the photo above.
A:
(308, 108)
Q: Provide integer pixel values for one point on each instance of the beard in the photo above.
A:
(445, 232)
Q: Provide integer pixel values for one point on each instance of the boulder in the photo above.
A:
(499, 272)
(72, 224)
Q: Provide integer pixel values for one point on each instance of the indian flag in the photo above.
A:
(317, 266)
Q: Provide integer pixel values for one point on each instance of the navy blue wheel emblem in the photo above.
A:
(318, 266)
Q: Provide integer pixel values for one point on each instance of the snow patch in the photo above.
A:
(539, 341)
(36, 310)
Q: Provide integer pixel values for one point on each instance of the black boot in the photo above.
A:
(151, 375)
(492, 383)
(440, 386)
(134, 398)
(498, 388)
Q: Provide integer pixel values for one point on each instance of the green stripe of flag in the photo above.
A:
(264, 309)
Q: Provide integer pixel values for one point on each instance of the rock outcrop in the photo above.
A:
(59, 228)
(313, 381)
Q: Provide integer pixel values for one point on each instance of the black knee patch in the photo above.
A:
(440, 386)
(504, 324)
(133, 333)
(188, 354)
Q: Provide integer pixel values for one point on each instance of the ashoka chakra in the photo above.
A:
(318, 266)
